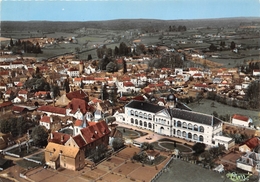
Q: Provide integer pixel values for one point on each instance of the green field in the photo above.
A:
(221, 109)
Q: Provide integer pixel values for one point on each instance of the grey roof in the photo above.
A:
(194, 117)
(145, 106)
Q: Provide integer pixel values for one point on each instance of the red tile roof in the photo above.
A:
(78, 122)
(59, 138)
(79, 141)
(18, 109)
(52, 109)
(23, 92)
(45, 119)
(128, 84)
(95, 132)
(76, 104)
(240, 117)
(253, 142)
(5, 104)
(76, 94)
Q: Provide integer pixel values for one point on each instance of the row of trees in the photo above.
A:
(17, 126)
(26, 46)
(177, 29)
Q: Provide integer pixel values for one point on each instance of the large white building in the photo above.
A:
(172, 121)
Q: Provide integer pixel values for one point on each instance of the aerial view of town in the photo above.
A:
(123, 91)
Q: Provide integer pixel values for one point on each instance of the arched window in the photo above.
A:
(184, 134)
(195, 137)
(201, 129)
(190, 126)
(136, 121)
(178, 124)
(145, 116)
(184, 125)
(195, 127)
(132, 120)
(174, 123)
(145, 124)
(190, 135)
(201, 138)
(140, 114)
(179, 133)
(136, 113)
(149, 125)
(132, 112)
(150, 117)
(140, 123)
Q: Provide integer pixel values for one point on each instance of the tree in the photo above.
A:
(117, 143)
(55, 91)
(215, 114)
(116, 51)
(232, 45)
(199, 148)
(124, 66)
(111, 67)
(89, 57)
(39, 135)
(212, 47)
(11, 42)
(147, 146)
(66, 85)
(253, 94)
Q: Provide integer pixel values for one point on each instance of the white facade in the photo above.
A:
(226, 141)
(174, 122)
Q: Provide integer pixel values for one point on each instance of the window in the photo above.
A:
(189, 135)
(184, 125)
(136, 121)
(145, 124)
(140, 123)
(150, 117)
(184, 134)
(195, 137)
(195, 127)
(132, 112)
(140, 114)
(178, 132)
(136, 113)
(190, 126)
(178, 124)
(145, 116)
(149, 125)
(201, 129)
(201, 138)
(132, 120)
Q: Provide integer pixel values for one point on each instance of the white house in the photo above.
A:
(46, 122)
(241, 120)
(256, 72)
(188, 125)
(73, 72)
(226, 141)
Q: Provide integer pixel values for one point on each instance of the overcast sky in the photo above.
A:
(88, 10)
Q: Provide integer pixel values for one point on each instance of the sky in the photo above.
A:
(96, 10)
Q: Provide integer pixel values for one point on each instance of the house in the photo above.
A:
(5, 106)
(241, 120)
(51, 110)
(172, 121)
(6, 140)
(244, 148)
(88, 137)
(73, 72)
(256, 72)
(46, 122)
(249, 162)
(77, 108)
(226, 141)
(24, 94)
(64, 156)
(18, 99)
(19, 110)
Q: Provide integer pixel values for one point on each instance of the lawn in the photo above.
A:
(222, 109)
(23, 151)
